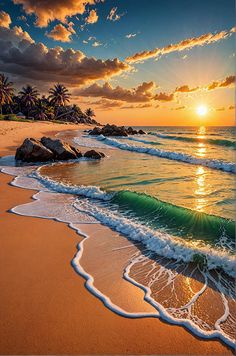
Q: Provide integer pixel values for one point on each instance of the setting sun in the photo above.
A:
(202, 110)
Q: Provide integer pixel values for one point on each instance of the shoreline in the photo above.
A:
(42, 301)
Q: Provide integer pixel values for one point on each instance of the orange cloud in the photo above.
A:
(5, 19)
(231, 107)
(188, 43)
(220, 109)
(50, 10)
(185, 89)
(140, 106)
(105, 104)
(92, 17)
(227, 82)
(143, 93)
(61, 33)
(164, 97)
(179, 108)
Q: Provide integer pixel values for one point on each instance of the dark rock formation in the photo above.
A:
(113, 130)
(45, 150)
(141, 132)
(94, 154)
(60, 149)
(33, 150)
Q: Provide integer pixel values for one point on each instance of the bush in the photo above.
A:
(13, 117)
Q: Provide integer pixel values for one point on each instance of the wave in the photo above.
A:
(161, 243)
(89, 191)
(217, 142)
(88, 141)
(176, 156)
(154, 143)
(178, 220)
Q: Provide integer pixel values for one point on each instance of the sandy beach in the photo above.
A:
(45, 308)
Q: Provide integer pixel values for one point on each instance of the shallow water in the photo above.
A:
(180, 211)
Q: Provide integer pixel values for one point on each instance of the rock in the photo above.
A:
(141, 132)
(77, 151)
(130, 130)
(61, 150)
(33, 151)
(94, 154)
(109, 130)
(95, 131)
(113, 130)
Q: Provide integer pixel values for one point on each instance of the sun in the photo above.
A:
(202, 110)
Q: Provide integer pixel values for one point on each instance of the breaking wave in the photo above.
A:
(176, 156)
(217, 142)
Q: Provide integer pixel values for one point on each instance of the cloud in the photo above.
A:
(5, 19)
(113, 16)
(22, 57)
(92, 17)
(22, 18)
(142, 93)
(220, 109)
(50, 10)
(140, 106)
(179, 108)
(227, 82)
(131, 35)
(105, 104)
(61, 33)
(185, 89)
(186, 44)
(164, 97)
(231, 107)
(15, 36)
(97, 44)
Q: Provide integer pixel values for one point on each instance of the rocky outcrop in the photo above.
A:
(94, 154)
(113, 130)
(48, 149)
(61, 150)
(141, 132)
(33, 150)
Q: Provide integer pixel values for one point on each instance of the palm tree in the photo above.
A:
(41, 111)
(6, 91)
(89, 113)
(29, 96)
(59, 96)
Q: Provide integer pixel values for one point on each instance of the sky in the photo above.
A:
(134, 62)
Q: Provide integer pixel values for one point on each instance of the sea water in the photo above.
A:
(172, 192)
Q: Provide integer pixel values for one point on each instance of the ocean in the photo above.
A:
(170, 194)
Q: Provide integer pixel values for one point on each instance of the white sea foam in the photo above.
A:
(176, 156)
(88, 141)
(159, 242)
(85, 191)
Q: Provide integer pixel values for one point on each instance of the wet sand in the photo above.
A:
(45, 308)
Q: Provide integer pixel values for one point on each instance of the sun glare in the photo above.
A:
(202, 110)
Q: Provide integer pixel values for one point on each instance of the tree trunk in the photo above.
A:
(57, 109)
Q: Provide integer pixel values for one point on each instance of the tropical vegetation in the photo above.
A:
(29, 105)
